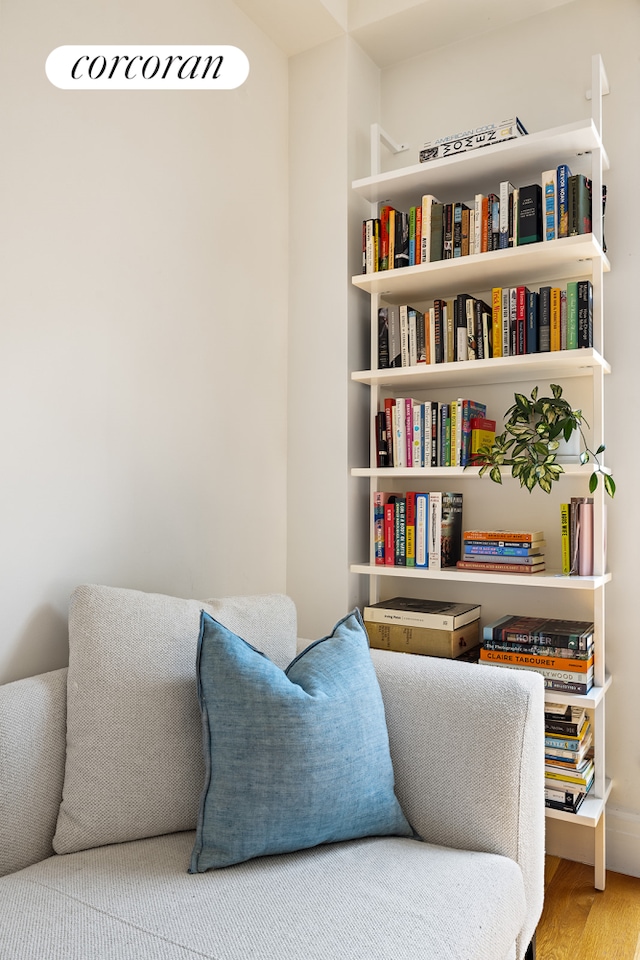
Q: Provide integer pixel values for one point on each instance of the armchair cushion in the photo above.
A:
(134, 751)
(294, 758)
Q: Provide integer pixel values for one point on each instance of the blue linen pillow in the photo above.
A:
(293, 758)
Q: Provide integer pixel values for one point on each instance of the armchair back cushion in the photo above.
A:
(134, 765)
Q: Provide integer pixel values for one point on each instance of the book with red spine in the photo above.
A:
(390, 532)
(522, 294)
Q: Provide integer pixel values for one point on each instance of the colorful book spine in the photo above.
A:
(390, 532)
(412, 236)
(435, 530)
(562, 174)
(549, 191)
(506, 551)
(554, 320)
(567, 666)
(585, 313)
(522, 537)
(565, 538)
(499, 567)
(422, 530)
(572, 315)
(506, 196)
(410, 529)
(533, 299)
(506, 322)
(400, 532)
(379, 501)
(496, 320)
(428, 201)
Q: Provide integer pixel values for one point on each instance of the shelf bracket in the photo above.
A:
(378, 139)
(599, 89)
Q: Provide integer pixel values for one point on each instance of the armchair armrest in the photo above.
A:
(32, 756)
(467, 744)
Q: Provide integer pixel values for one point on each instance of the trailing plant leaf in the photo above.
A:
(529, 443)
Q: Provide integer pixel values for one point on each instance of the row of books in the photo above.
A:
(417, 529)
(496, 551)
(569, 765)
(576, 519)
(431, 231)
(430, 433)
(542, 644)
(518, 321)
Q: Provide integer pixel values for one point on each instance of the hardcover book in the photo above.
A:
(474, 139)
(530, 214)
(562, 174)
(419, 612)
(423, 640)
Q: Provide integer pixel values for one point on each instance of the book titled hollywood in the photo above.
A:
(473, 139)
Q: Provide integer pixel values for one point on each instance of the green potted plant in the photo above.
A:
(529, 444)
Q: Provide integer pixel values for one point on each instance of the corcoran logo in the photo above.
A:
(147, 67)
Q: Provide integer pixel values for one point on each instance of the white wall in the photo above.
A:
(143, 323)
(333, 100)
(462, 85)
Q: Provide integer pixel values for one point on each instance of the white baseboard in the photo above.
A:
(575, 842)
(623, 841)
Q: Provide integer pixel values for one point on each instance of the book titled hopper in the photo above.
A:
(413, 611)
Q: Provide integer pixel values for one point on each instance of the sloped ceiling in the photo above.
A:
(388, 30)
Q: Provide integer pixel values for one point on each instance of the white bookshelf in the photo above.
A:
(521, 160)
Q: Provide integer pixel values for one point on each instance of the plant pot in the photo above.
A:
(569, 451)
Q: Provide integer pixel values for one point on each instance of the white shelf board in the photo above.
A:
(532, 263)
(589, 700)
(480, 171)
(548, 578)
(588, 814)
(426, 473)
(530, 366)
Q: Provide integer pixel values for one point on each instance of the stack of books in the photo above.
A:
(502, 551)
(561, 650)
(435, 628)
(569, 769)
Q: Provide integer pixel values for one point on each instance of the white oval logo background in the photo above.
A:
(147, 67)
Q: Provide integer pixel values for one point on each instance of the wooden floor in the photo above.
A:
(582, 923)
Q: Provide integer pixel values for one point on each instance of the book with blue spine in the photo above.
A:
(549, 212)
(506, 550)
(533, 299)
